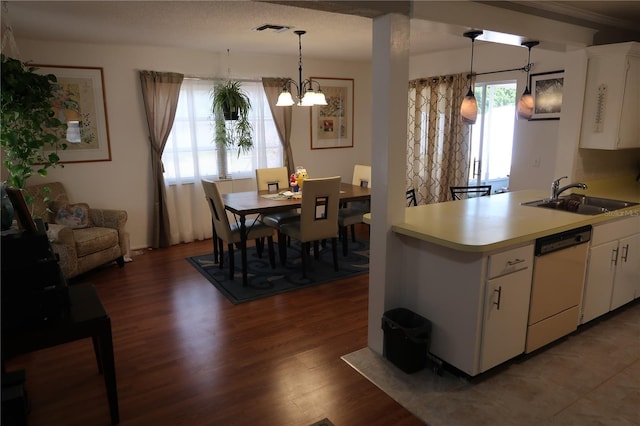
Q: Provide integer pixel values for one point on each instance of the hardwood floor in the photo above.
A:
(185, 355)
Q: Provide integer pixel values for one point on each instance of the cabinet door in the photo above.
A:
(629, 135)
(506, 311)
(627, 278)
(599, 284)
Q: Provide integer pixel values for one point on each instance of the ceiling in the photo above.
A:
(221, 25)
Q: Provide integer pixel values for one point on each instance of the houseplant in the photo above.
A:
(231, 106)
(29, 124)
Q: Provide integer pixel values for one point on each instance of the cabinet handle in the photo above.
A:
(625, 252)
(499, 291)
(515, 262)
(614, 256)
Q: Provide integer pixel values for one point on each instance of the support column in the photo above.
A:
(390, 70)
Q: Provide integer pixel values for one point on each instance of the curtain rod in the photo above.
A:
(195, 77)
(525, 68)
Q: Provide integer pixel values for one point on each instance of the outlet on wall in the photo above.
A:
(536, 162)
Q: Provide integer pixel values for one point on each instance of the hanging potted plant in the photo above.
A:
(231, 106)
(29, 125)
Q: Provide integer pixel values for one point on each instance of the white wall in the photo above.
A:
(533, 140)
(125, 182)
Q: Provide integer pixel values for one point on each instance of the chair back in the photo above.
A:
(361, 176)
(411, 198)
(47, 198)
(319, 210)
(462, 192)
(277, 175)
(218, 213)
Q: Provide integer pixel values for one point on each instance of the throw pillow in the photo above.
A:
(74, 215)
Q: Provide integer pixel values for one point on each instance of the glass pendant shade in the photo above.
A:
(320, 99)
(469, 108)
(307, 99)
(524, 109)
(285, 99)
(525, 105)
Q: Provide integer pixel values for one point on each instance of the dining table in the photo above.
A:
(258, 203)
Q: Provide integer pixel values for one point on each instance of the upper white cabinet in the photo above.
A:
(612, 97)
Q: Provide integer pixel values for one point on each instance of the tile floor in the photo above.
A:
(591, 377)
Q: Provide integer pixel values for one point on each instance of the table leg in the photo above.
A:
(243, 248)
(109, 370)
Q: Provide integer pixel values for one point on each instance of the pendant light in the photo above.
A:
(305, 95)
(469, 108)
(525, 104)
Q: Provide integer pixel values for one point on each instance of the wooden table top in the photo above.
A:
(251, 202)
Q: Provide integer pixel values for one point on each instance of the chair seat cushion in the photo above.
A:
(95, 239)
(256, 230)
(277, 219)
(350, 216)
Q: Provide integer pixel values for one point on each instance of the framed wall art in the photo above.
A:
(546, 90)
(332, 124)
(80, 103)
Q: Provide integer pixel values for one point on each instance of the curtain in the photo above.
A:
(438, 142)
(282, 118)
(160, 93)
(191, 155)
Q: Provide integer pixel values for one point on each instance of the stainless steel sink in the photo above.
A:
(581, 204)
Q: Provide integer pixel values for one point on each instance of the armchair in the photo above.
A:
(89, 238)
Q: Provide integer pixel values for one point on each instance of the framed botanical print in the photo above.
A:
(332, 124)
(80, 103)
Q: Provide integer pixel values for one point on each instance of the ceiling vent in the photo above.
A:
(271, 27)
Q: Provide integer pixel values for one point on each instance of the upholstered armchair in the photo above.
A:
(81, 236)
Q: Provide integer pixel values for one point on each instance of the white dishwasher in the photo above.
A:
(556, 290)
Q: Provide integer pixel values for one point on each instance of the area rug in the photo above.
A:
(263, 281)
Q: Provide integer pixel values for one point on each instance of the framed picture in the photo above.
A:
(21, 211)
(332, 124)
(80, 103)
(546, 90)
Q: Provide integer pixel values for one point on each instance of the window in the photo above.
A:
(191, 153)
(492, 135)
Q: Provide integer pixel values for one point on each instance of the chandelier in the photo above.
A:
(305, 93)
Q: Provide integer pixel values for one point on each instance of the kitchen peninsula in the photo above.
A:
(468, 268)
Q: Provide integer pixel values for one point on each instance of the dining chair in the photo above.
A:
(349, 216)
(223, 230)
(462, 192)
(412, 201)
(275, 179)
(318, 219)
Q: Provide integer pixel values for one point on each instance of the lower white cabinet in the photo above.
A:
(506, 310)
(599, 283)
(626, 284)
(613, 271)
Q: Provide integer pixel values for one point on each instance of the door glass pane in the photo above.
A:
(492, 135)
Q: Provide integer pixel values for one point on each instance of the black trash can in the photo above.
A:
(406, 339)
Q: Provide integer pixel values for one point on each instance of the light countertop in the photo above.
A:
(485, 224)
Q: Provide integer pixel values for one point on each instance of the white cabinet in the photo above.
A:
(626, 285)
(613, 271)
(506, 306)
(478, 303)
(506, 310)
(612, 97)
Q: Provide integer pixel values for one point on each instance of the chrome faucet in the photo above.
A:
(556, 190)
